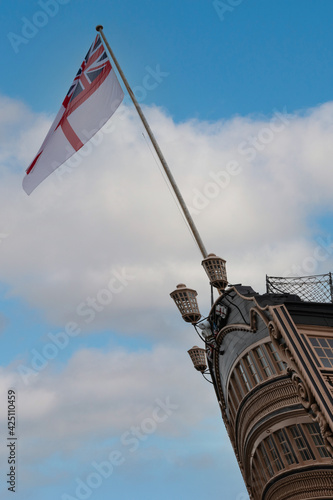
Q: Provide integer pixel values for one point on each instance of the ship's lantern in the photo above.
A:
(215, 268)
(198, 357)
(185, 300)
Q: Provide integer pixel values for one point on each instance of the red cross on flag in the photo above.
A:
(93, 97)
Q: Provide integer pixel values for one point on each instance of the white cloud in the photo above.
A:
(101, 395)
(113, 211)
(99, 402)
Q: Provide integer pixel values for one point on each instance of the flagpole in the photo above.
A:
(159, 153)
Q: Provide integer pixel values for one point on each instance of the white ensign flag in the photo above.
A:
(93, 97)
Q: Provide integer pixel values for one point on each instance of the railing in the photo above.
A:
(317, 288)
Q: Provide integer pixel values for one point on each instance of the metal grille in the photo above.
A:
(316, 288)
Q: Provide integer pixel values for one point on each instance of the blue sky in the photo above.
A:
(262, 56)
(223, 79)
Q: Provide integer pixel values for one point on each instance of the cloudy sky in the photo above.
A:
(108, 404)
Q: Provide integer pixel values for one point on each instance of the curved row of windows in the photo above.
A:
(259, 364)
(284, 449)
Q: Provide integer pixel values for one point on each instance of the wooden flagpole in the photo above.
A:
(159, 153)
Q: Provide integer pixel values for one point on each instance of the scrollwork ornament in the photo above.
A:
(303, 391)
(274, 331)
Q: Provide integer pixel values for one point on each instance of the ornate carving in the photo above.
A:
(324, 427)
(281, 347)
(329, 380)
(302, 389)
(312, 484)
(279, 394)
(290, 360)
(274, 331)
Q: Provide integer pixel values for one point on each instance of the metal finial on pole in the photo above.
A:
(159, 153)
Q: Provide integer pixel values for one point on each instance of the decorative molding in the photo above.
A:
(301, 486)
(274, 330)
(306, 396)
(265, 401)
(329, 379)
(325, 430)
(231, 328)
(252, 327)
(262, 313)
